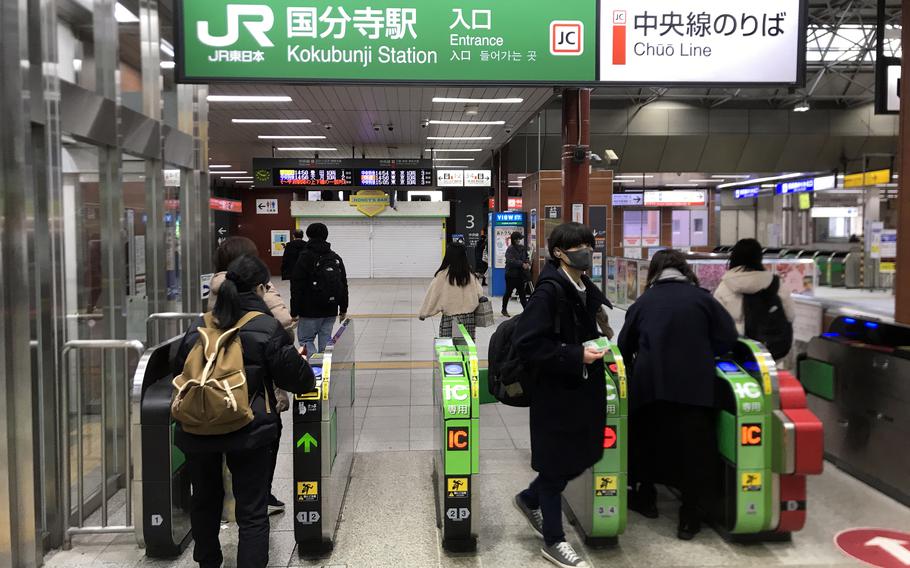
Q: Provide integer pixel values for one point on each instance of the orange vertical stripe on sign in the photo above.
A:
(619, 45)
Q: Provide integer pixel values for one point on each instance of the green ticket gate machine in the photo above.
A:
(595, 502)
(456, 421)
(324, 443)
(161, 482)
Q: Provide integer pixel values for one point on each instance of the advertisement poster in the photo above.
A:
(280, 239)
(799, 278)
(642, 277)
(532, 237)
(597, 270)
(621, 282)
(710, 275)
(631, 281)
(503, 237)
(889, 243)
(611, 281)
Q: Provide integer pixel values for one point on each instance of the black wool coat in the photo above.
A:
(269, 359)
(568, 411)
(670, 339)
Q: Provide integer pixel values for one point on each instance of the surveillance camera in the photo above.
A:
(596, 158)
(508, 130)
(425, 123)
(328, 126)
(377, 127)
(391, 127)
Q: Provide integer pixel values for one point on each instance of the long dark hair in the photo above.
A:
(243, 276)
(456, 260)
(747, 254)
(231, 249)
(670, 258)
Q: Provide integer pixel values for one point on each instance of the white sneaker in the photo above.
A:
(563, 555)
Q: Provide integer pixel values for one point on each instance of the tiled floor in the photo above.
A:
(388, 519)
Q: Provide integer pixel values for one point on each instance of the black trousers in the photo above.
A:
(676, 444)
(514, 283)
(545, 493)
(251, 472)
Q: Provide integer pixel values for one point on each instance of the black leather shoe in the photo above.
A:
(506, 314)
(644, 501)
(689, 526)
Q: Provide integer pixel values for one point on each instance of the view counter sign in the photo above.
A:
(388, 40)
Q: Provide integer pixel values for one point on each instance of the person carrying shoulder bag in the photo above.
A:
(227, 367)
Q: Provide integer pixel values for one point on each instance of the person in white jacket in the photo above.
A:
(747, 275)
(455, 291)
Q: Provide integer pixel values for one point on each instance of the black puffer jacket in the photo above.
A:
(516, 258)
(303, 304)
(289, 260)
(269, 359)
(568, 411)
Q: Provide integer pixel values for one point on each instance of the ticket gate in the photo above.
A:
(595, 502)
(821, 262)
(161, 482)
(837, 269)
(456, 457)
(767, 442)
(324, 443)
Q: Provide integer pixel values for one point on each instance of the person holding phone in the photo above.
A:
(568, 411)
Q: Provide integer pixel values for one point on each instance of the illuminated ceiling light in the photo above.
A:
(506, 101)
(453, 159)
(221, 167)
(229, 172)
(271, 120)
(270, 137)
(167, 48)
(249, 99)
(802, 106)
(237, 177)
(168, 64)
(706, 180)
(471, 122)
(682, 185)
(454, 167)
(464, 138)
(307, 149)
(437, 150)
(733, 176)
(759, 180)
(123, 15)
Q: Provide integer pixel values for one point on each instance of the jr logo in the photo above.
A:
(263, 22)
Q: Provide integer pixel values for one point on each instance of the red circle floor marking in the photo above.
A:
(876, 547)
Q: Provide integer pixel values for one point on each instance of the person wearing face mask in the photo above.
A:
(517, 267)
(568, 402)
(270, 360)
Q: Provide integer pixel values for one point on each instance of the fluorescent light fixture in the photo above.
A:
(271, 121)
(270, 137)
(237, 177)
(124, 16)
(706, 180)
(453, 159)
(249, 99)
(802, 106)
(733, 176)
(759, 180)
(229, 172)
(245, 181)
(455, 167)
(768, 186)
(631, 176)
(168, 64)
(167, 48)
(307, 149)
(471, 122)
(221, 167)
(77, 65)
(437, 150)
(468, 138)
(682, 185)
(508, 101)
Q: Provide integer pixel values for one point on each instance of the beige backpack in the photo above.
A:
(211, 395)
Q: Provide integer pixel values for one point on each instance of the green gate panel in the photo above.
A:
(726, 435)
(817, 377)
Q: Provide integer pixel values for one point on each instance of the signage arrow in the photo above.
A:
(261, 206)
(222, 231)
(306, 441)
(896, 548)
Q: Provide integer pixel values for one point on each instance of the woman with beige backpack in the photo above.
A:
(228, 366)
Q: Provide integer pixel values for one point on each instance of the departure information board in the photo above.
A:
(396, 178)
(314, 177)
(411, 177)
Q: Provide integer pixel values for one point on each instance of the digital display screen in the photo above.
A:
(315, 177)
(728, 367)
(317, 372)
(454, 369)
(396, 178)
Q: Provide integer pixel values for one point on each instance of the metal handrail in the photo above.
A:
(108, 345)
(151, 329)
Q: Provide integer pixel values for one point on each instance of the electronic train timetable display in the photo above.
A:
(396, 178)
(314, 177)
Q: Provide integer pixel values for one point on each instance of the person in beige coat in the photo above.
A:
(455, 292)
(747, 275)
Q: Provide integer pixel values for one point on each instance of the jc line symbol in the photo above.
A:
(876, 547)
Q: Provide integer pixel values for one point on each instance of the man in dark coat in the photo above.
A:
(517, 267)
(670, 339)
(291, 254)
(568, 405)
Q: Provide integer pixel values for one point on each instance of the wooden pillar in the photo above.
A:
(576, 132)
(902, 280)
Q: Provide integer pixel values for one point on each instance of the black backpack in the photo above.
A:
(508, 380)
(327, 280)
(766, 321)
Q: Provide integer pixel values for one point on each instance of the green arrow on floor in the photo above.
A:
(306, 441)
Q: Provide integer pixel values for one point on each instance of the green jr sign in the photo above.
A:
(467, 41)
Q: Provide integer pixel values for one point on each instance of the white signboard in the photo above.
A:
(478, 178)
(837, 212)
(705, 41)
(266, 206)
(205, 285)
(171, 178)
(808, 323)
(280, 239)
(628, 199)
(450, 178)
(889, 243)
(893, 100)
(578, 212)
(675, 198)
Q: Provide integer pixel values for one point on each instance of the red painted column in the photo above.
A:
(902, 278)
(576, 131)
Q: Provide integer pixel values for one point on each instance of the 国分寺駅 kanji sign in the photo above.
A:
(628, 42)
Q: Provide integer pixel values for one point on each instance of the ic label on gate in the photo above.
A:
(747, 390)
(458, 439)
(751, 435)
(307, 491)
(457, 392)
